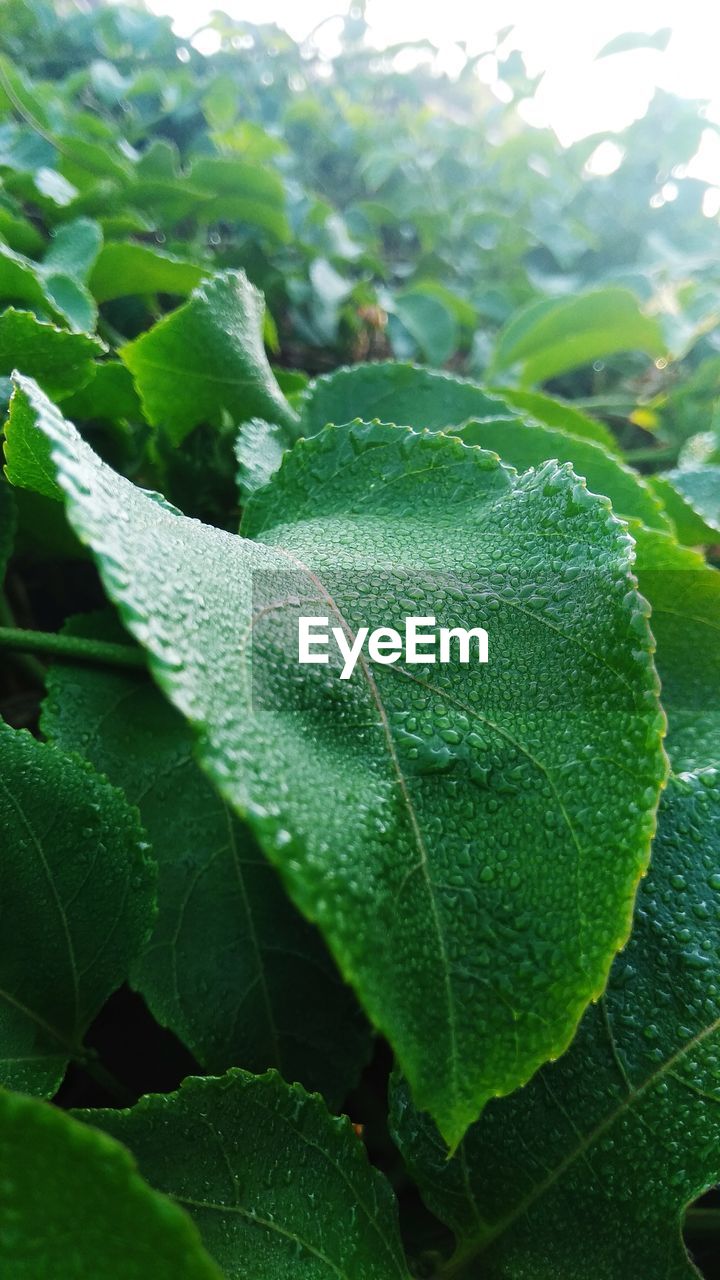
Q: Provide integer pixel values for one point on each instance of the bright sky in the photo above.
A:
(577, 96)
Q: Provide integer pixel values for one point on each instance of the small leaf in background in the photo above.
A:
(78, 895)
(74, 1207)
(432, 325)
(405, 883)
(550, 337)
(60, 361)
(632, 40)
(122, 269)
(554, 1181)
(699, 487)
(206, 357)
(277, 1187)
(57, 284)
(231, 966)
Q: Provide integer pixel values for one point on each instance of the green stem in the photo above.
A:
(93, 1067)
(76, 648)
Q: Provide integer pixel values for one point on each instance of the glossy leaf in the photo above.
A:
(527, 444)
(56, 285)
(78, 894)
(684, 592)
(60, 361)
(123, 269)
(394, 803)
(623, 1131)
(277, 1187)
(74, 1207)
(231, 967)
(700, 489)
(548, 338)
(206, 357)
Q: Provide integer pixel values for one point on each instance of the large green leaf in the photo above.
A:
(78, 895)
(586, 1172)
(440, 824)
(684, 593)
(123, 269)
(406, 394)
(206, 357)
(73, 1206)
(277, 1187)
(231, 966)
(60, 361)
(550, 337)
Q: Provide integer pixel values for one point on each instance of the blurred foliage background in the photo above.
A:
(382, 213)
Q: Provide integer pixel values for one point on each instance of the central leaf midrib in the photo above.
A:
(415, 826)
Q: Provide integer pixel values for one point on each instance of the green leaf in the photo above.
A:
(206, 357)
(405, 394)
(684, 593)
(558, 413)
(415, 819)
(278, 1188)
(430, 322)
(125, 269)
(225, 928)
(528, 444)
(402, 393)
(550, 337)
(109, 396)
(28, 463)
(237, 191)
(690, 528)
(78, 893)
(56, 285)
(60, 361)
(623, 1132)
(74, 1207)
(631, 40)
(700, 488)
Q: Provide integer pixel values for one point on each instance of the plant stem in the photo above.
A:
(93, 1067)
(76, 648)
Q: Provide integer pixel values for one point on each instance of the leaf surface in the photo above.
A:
(528, 444)
(61, 362)
(414, 812)
(74, 1207)
(78, 894)
(277, 1187)
(550, 337)
(700, 488)
(624, 1130)
(684, 592)
(206, 357)
(231, 966)
(123, 269)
